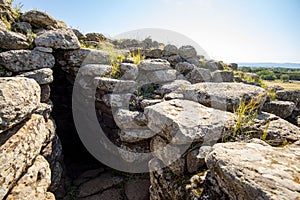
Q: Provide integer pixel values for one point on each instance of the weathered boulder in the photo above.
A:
(79, 34)
(184, 67)
(170, 50)
(58, 39)
(117, 100)
(115, 85)
(213, 65)
(94, 70)
(40, 19)
(41, 76)
(34, 184)
(19, 97)
(22, 27)
(233, 66)
(198, 75)
(183, 122)
(256, 171)
(135, 135)
(222, 76)
(6, 2)
(160, 76)
(289, 95)
(129, 71)
(126, 119)
(12, 41)
(224, 96)
(154, 65)
(154, 53)
(282, 109)
(187, 51)
(196, 158)
(96, 37)
(169, 87)
(173, 60)
(26, 60)
(19, 148)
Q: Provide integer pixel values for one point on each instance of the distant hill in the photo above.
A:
(271, 65)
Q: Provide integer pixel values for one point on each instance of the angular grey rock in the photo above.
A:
(169, 87)
(126, 119)
(196, 158)
(194, 61)
(44, 49)
(96, 37)
(129, 71)
(137, 189)
(198, 75)
(150, 102)
(154, 53)
(224, 96)
(12, 41)
(233, 66)
(187, 52)
(99, 184)
(174, 60)
(213, 65)
(160, 76)
(135, 135)
(170, 155)
(183, 122)
(22, 27)
(19, 151)
(19, 97)
(289, 95)
(115, 85)
(222, 76)
(26, 60)
(34, 184)
(170, 50)
(58, 39)
(41, 76)
(78, 34)
(45, 93)
(41, 20)
(184, 67)
(251, 171)
(94, 70)
(117, 100)
(154, 65)
(136, 152)
(282, 109)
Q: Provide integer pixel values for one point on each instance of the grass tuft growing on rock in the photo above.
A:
(136, 57)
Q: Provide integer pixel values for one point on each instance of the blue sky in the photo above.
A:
(228, 30)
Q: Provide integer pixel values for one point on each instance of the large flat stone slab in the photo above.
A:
(252, 171)
(223, 96)
(183, 121)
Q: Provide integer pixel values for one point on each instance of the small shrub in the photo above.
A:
(285, 78)
(137, 57)
(115, 60)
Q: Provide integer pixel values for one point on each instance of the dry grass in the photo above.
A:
(293, 85)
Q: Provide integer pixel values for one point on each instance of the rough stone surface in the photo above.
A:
(45, 93)
(99, 184)
(282, 109)
(160, 76)
(22, 27)
(184, 67)
(117, 100)
(196, 158)
(169, 87)
(170, 50)
(25, 60)
(110, 194)
(174, 60)
(213, 65)
(34, 184)
(41, 76)
(58, 39)
(198, 75)
(154, 65)
(126, 119)
(137, 189)
(41, 20)
(254, 171)
(129, 71)
(18, 98)
(187, 52)
(182, 121)
(289, 95)
(19, 151)
(135, 135)
(222, 76)
(115, 85)
(224, 96)
(94, 70)
(12, 41)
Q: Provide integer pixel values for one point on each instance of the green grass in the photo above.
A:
(137, 57)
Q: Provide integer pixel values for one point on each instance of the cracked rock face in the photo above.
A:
(256, 171)
(19, 97)
(12, 40)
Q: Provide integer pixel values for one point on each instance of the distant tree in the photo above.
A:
(266, 74)
(285, 77)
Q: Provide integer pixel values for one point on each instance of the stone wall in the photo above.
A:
(175, 105)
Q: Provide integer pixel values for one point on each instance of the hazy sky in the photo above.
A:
(228, 30)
